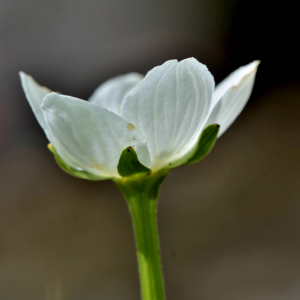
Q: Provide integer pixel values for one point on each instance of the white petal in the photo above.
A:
(112, 93)
(88, 137)
(35, 95)
(231, 96)
(170, 106)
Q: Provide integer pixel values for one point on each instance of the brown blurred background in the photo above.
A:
(229, 226)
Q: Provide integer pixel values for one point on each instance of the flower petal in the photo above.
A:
(170, 107)
(112, 93)
(88, 137)
(35, 95)
(231, 96)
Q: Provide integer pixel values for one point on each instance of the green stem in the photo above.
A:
(141, 193)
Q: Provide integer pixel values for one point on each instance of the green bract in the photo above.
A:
(206, 142)
(129, 164)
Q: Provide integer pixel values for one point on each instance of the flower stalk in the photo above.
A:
(141, 194)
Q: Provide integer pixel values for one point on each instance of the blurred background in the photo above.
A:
(229, 226)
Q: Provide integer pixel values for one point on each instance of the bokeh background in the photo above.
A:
(229, 226)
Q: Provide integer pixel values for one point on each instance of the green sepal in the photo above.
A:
(206, 142)
(129, 163)
(72, 171)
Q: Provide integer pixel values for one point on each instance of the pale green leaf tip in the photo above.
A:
(51, 148)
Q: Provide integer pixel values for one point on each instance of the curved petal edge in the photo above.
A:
(35, 95)
(112, 93)
(231, 96)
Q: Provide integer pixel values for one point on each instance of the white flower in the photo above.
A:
(161, 115)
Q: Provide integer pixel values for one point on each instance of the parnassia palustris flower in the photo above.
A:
(160, 116)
